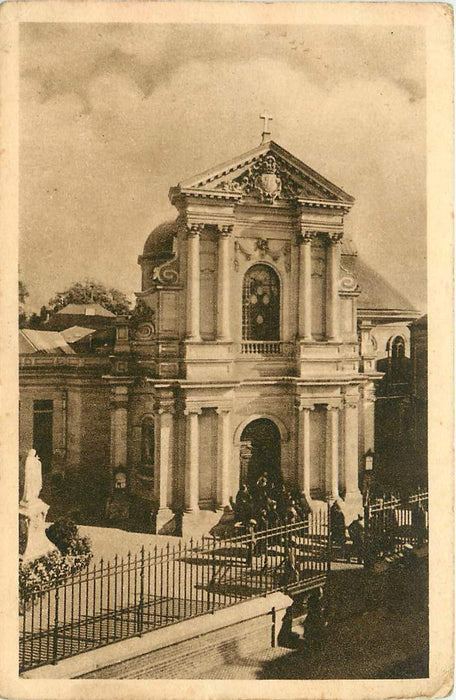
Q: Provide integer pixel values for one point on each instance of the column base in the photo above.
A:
(164, 521)
(352, 505)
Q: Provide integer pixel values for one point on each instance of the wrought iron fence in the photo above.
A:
(393, 522)
(138, 593)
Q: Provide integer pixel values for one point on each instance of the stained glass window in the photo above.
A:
(261, 304)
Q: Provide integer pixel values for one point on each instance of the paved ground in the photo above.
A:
(107, 542)
(381, 634)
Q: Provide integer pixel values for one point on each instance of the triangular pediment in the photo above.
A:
(268, 173)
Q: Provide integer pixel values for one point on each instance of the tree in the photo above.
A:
(91, 291)
(23, 294)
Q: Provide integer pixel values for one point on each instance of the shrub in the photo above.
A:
(52, 568)
(62, 533)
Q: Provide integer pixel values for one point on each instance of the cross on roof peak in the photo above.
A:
(266, 132)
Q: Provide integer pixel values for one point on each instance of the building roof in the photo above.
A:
(75, 333)
(159, 243)
(92, 309)
(420, 322)
(376, 292)
(44, 342)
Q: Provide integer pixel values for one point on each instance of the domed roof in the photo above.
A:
(160, 242)
(376, 292)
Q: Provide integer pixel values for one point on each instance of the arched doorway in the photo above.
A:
(260, 451)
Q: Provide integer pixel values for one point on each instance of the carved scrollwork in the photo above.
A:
(142, 321)
(167, 272)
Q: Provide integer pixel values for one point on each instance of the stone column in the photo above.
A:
(192, 460)
(193, 281)
(305, 286)
(119, 405)
(304, 449)
(332, 452)
(223, 284)
(223, 457)
(332, 313)
(351, 447)
(163, 451)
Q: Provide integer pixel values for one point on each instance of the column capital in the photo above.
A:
(306, 236)
(335, 236)
(351, 403)
(225, 230)
(192, 410)
(165, 408)
(223, 409)
(305, 405)
(333, 407)
(194, 229)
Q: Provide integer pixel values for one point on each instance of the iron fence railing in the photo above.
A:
(138, 593)
(393, 522)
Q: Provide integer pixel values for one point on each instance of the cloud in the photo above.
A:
(114, 115)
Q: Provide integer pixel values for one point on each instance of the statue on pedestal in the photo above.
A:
(33, 511)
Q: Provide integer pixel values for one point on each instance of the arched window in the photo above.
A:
(148, 441)
(261, 304)
(398, 348)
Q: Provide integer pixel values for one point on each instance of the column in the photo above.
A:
(119, 405)
(193, 281)
(192, 460)
(332, 314)
(223, 284)
(223, 457)
(332, 452)
(305, 286)
(164, 450)
(304, 449)
(351, 446)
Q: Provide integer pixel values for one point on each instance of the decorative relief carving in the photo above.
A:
(142, 321)
(348, 281)
(167, 273)
(270, 178)
(261, 250)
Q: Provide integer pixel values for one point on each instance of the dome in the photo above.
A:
(159, 243)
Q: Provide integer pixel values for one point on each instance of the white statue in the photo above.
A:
(33, 480)
(34, 510)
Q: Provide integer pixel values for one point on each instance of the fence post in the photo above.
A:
(329, 550)
(141, 595)
(56, 627)
(367, 544)
(213, 575)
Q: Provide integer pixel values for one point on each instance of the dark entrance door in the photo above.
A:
(263, 439)
(42, 432)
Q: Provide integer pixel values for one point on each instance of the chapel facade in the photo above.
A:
(245, 355)
(256, 345)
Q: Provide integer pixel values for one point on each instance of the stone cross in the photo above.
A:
(266, 118)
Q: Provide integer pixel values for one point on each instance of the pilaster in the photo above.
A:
(332, 451)
(333, 312)
(194, 231)
(119, 417)
(192, 459)
(305, 285)
(223, 456)
(223, 282)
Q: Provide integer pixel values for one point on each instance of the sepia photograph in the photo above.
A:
(224, 280)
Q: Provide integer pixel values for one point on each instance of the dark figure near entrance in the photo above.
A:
(356, 532)
(314, 624)
(243, 505)
(419, 524)
(337, 527)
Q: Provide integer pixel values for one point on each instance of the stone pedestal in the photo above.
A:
(37, 542)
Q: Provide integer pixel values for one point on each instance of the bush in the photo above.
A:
(62, 533)
(73, 556)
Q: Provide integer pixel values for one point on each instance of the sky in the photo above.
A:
(113, 115)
